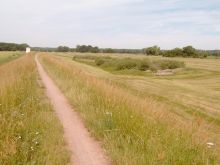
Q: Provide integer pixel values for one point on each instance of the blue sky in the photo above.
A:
(112, 23)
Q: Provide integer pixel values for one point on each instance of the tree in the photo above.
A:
(154, 50)
(189, 51)
(108, 50)
(94, 50)
(85, 48)
(63, 49)
(12, 47)
(177, 52)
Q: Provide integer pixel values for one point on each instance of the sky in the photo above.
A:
(112, 23)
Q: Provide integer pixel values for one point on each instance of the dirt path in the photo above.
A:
(84, 149)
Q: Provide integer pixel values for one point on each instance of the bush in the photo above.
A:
(143, 65)
(168, 64)
(129, 63)
(99, 61)
(126, 63)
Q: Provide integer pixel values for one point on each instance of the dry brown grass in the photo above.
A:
(30, 132)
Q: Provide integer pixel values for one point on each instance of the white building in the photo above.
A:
(28, 50)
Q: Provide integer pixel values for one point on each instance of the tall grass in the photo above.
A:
(30, 132)
(8, 56)
(133, 131)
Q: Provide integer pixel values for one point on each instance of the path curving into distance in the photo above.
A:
(84, 149)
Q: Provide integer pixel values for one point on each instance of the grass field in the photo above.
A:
(193, 89)
(138, 116)
(145, 119)
(8, 56)
(30, 132)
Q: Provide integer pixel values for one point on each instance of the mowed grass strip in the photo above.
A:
(132, 131)
(30, 132)
(9, 56)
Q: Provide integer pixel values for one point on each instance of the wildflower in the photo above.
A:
(210, 144)
(22, 114)
(19, 137)
(37, 133)
(36, 142)
(32, 148)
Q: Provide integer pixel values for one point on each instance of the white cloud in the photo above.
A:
(111, 23)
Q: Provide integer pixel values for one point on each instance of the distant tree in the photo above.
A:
(154, 50)
(85, 48)
(63, 49)
(108, 50)
(174, 53)
(12, 47)
(189, 51)
(95, 50)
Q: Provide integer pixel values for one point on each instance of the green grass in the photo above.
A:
(8, 56)
(195, 87)
(132, 130)
(30, 131)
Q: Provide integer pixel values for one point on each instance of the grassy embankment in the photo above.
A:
(8, 56)
(132, 130)
(30, 132)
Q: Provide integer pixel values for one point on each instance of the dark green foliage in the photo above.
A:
(214, 52)
(85, 48)
(127, 51)
(129, 63)
(154, 50)
(108, 50)
(143, 65)
(177, 52)
(167, 64)
(187, 51)
(126, 63)
(12, 47)
(63, 49)
(99, 61)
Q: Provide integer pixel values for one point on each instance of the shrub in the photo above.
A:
(129, 63)
(126, 63)
(143, 65)
(99, 61)
(168, 64)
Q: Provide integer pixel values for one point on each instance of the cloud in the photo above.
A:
(112, 23)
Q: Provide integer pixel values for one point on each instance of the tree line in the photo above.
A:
(95, 49)
(12, 46)
(187, 51)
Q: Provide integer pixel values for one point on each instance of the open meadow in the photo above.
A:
(144, 110)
